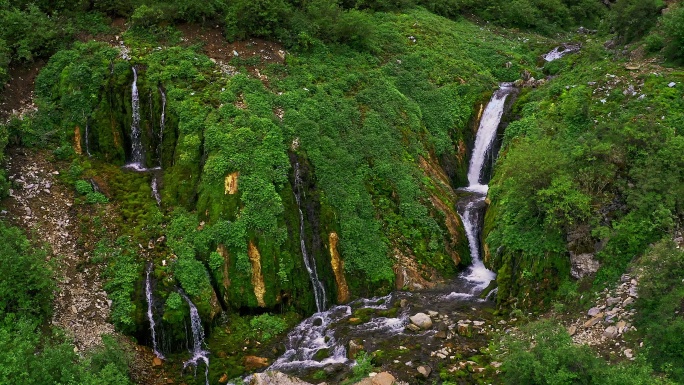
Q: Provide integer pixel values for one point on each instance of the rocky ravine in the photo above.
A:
(44, 208)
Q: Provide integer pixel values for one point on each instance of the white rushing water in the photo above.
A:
(150, 313)
(471, 208)
(136, 140)
(317, 333)
(87, 133)
(486, 132)
(560, 51)
(162, 123)
(309, 261)
(198, 352)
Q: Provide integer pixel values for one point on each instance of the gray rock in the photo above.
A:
(611, 332)
(583, 265)
(275, 378)
(612, 301)
(672, 84)
(421, 320)
(593, 311)
(628, 353)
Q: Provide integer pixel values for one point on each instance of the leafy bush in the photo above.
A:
(122, 275)
(27, 286)
(632, 19)
(83, 187)
(96, 197)
(660, 312)
(673, 28)
(542, 353)
(267, 326)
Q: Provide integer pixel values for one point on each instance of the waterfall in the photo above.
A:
(472, 207)
(162, 122)
(318, 332)
(489, 123)
(87, 142)
(150, 313)
(154, 185)
(136, 140)
(198, 352)
(309, 261)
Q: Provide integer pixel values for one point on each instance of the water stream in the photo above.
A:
(330, 331)
(309, 261)
(198, 352)
(150, 312)
(136, 140)
(471, 208)
(87, 141)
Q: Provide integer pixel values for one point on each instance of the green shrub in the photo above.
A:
(632, 19)
(267, 326)
(83, 187)
(96, 197)
(673, 28)
(660, 313)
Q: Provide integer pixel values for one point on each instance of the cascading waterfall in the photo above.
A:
(309, 261)
(87, 141)
(471, 208)
(162, 123)
(198, 352)
(150, 313)
(154, 184)
(318, 333)
(136, 140)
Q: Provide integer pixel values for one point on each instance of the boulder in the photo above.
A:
(593, 312)
(383, 378)
(157, 362)
(582, 265)
(413, 328)
(593, 321)
(422, 320)
(424, 371)
(611, 332)
(254, 362)
(612, 301)
(275, 378)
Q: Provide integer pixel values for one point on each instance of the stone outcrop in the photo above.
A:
(77, 140)
(583, 264)
(254, 362)
(275, 378)
(338, 269)
(257, 276)
(421, 320)
(231, 183)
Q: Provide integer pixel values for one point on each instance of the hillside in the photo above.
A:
(239, 185)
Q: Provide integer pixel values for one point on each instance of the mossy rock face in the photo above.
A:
(321, 354)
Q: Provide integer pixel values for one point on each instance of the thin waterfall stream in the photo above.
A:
(150, 310)
(309, 261)
(198, 352)
(136, 135)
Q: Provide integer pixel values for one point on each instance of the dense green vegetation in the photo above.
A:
(542, 352)
(32, 354)
(594, 156)
(371, 96)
